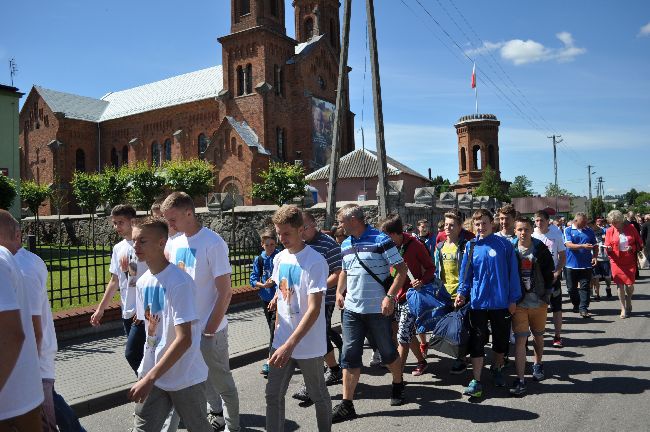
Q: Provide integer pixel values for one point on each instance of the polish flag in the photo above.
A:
(474, 76)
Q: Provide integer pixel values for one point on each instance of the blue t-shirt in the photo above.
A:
(579, 258)
(378, 252)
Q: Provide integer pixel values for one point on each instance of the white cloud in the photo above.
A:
(521, 52)
(645, 30)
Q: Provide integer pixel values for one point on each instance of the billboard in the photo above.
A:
(322, 132)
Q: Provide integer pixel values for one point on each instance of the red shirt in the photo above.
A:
(418, 261)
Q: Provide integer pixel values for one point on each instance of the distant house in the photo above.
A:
(357, 178)
(561, 205)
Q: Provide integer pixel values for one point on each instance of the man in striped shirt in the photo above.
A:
(367, 306)
(331, 251)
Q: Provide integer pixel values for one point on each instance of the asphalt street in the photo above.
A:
(598, 382)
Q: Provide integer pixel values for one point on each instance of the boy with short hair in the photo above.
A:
(203, 254)
(301, 275)
(261, 278)
(447, 260)
(173, 372)
(125, 270)
(489, 278)
(506, 219)
(536, 274)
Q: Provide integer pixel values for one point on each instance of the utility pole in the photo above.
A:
(382, 186)
(600, 189)
(341, 111)
(556, 141)
(589, 203)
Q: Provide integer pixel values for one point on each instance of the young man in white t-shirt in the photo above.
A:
(300, 336)
(203, 254)
(173, 372)
(21, 390)
(125, 270)
(554, 241)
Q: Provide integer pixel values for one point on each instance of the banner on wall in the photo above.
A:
(323, 122)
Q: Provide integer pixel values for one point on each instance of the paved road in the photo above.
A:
(598, 382)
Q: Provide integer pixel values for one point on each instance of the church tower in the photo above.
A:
(318, 17)
(478, 148)
(245, 14)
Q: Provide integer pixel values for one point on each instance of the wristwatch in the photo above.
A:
(391, 296)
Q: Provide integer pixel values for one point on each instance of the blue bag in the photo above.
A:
(451, 334)
(428, 304)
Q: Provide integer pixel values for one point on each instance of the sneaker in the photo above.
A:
(497, 376)
(458, 367)
(216, 420)
(376, 359)
(302, 394)
(538, 371)
(265, 370)
(518, 387)
(557, 342)
(474, 389)
(585, 314)
(343, 411)
(424, 349)
(420, 368)
(333, 377)
(397, 396)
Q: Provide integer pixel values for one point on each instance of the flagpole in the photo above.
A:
(476, 96)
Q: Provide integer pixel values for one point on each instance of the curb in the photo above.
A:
(115, 397)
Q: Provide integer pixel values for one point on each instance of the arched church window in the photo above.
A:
(168, 149)
(233, 146)
(80, 160)
(244, 7)
(309, 28)
(115, 162)
(202, 145)
(249, 78)
(155, 154)
(463, 160)
(240, 81)
(476, 153)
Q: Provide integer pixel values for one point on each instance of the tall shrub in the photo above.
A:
(145, 183)
(194, 177)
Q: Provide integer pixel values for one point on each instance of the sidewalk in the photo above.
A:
(93, 375)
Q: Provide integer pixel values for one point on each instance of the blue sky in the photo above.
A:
(578, 69)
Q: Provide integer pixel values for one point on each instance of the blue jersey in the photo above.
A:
(579, 258)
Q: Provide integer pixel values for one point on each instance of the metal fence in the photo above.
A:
(78, 274)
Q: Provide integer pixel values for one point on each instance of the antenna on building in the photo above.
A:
(13, 68)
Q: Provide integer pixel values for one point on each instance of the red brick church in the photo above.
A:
(271, 99)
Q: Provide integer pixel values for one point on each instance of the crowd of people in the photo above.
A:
(173, 279)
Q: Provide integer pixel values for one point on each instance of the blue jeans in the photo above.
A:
(135, 340)
(355, 328)
(66, 419)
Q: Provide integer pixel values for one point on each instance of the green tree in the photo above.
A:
(491, 186)
(146, 183)
(598, 207)
(7, 191)
(630, 196)
(87, 190)
(34, 194)
(281, 183)
(556, 191)
(195, 177)
(521, 187)
(642, 203)
(114, 186)
(441, 184)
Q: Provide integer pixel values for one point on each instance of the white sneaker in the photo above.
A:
(376, 359)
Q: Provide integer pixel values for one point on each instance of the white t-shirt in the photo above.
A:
(297, 276)
(23, 390)
(204, 256)
(623, 243)
(169, 296)
(34, 273)
(554, 241)
(168, 245)
(126, 266)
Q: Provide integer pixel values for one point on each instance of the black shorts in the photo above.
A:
(602, 270)
(556, 299)
(500, 322)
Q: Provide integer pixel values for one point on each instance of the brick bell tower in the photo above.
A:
(478, 148)
(318, 17)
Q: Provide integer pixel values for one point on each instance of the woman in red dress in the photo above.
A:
(622, 242)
